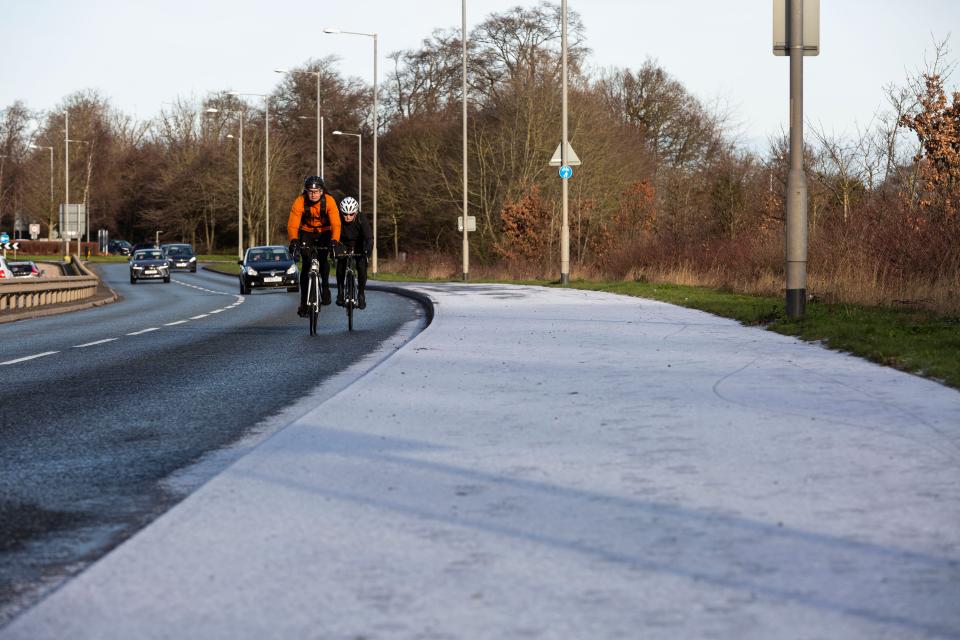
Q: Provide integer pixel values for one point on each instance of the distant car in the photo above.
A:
(268, 266)
(149, 264)
(119, 247)
(24, 269)
(5, 271)
(142, 245)
(181, 256)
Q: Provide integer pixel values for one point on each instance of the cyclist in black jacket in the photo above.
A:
(356, 237)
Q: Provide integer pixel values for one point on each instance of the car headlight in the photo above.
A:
(193, 259)
(251, 271)
(292, 270)
(137, 268)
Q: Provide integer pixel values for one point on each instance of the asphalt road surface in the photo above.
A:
(110, 416)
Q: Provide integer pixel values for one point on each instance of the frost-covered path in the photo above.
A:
(544, 463)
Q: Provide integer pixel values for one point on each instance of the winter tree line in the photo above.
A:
(666, 191)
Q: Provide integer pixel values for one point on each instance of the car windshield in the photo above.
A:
(149, 255)
(278, 254)
(179, 250)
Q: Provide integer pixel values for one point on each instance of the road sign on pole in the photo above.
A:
(4, 237)
(811, 27)
(566, 172)
(572, 159)
(471, 223)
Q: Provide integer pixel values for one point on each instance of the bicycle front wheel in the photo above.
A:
(313, 302)
(351, 298)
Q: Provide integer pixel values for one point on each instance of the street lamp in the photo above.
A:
(66, 161)
(266, 102)
(375, 126)
(466, 241)
(239, 178)
(359, 164)
(319, 118)
(36, 146)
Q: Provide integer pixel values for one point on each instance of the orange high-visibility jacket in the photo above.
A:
(312, 219)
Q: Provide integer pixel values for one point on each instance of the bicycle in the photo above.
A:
(313, 289)
(350, 285)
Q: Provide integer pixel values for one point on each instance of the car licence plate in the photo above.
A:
(272, 279)
(150, 272)
(181, 264)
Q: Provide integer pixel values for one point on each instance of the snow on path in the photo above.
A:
(545, 463)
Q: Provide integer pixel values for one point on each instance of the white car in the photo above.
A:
(5, 272)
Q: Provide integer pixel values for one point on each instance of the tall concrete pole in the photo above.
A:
(240, 189)
(375, 161)
(796, 222)
(565, 225)
(319, 132)
(466, 239)
(66, 171)
(266, 101)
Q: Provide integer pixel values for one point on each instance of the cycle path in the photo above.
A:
(546, 463)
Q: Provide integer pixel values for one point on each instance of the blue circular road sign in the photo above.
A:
(4, 237)
(566, 172)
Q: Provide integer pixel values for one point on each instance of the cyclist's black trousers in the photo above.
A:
(315, 245)
(361, 273)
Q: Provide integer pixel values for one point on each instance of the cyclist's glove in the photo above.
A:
(294, 248)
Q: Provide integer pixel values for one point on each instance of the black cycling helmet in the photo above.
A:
(314, 182)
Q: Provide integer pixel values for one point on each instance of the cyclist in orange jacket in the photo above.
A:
(314, 224)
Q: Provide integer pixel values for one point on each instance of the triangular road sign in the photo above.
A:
(572, 158)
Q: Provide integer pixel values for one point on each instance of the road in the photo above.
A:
(112, 415)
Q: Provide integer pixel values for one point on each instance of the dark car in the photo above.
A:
(180, 255)
(119, 248)
(149, 264)
(25, 269)
(143, 245)
(268, 266)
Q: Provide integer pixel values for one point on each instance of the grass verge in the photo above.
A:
(911, 340)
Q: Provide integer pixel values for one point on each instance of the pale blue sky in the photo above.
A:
(140, 54)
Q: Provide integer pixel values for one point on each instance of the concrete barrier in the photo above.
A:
(25, 293)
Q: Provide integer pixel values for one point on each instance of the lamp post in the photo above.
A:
(266, 103)
(50, 149)
(565, 222)
(319, 118)
(239, 179)
(466, 241)
(359, 163)
(67, 203)
(373, 255)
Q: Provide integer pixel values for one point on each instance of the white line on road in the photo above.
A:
(136, 333)
(216, 311)
(90, 344)
(202, 315)
(170, 324)
(39, 355)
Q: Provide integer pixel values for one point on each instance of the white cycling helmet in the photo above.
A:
(349, 206)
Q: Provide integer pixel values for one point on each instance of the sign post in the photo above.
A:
(796, 25)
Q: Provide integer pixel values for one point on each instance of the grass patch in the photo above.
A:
(916, 341)
(228, 268)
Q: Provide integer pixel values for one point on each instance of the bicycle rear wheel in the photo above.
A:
(351, 297)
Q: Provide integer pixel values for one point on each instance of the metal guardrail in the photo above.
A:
(23, 293)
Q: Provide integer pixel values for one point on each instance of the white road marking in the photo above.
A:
(136, 333)
(170, 324)
(90, 344)
(216, 311)
(202, 315)
(39, 355)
